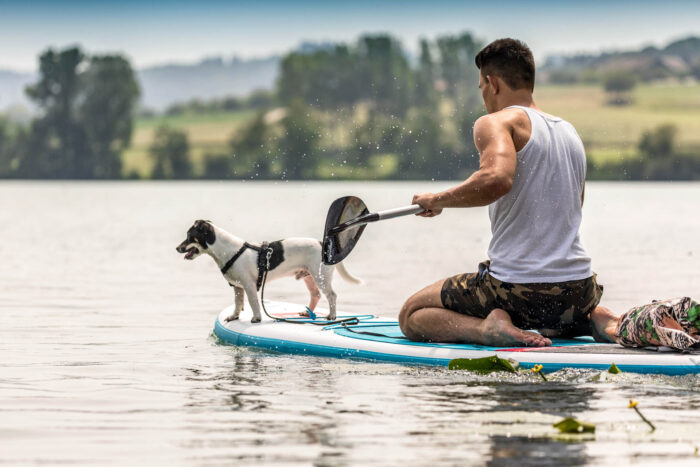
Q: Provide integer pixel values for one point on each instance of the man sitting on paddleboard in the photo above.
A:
(531, 175)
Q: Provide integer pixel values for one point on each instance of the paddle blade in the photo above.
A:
(336, 246)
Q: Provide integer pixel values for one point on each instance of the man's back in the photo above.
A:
(535, 226)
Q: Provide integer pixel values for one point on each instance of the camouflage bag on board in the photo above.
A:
(671, 323)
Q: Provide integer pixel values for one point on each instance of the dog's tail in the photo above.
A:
(345, 274)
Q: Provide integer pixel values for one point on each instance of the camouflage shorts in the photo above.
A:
(671, 323)
(560, 306)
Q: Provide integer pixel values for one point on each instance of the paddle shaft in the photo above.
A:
(377, 216)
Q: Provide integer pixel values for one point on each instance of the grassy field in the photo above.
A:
(206, 132)
(614, 131)
(608, 131)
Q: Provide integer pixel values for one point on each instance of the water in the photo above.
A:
(106, 354)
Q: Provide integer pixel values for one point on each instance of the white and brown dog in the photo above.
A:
(243, 264)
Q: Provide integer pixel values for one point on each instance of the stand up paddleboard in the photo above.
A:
(340, 341)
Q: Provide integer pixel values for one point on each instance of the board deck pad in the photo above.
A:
(396, 337)
(335, 340)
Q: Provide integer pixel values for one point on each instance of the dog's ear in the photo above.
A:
(206, 232)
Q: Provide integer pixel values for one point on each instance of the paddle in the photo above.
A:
(346, 220)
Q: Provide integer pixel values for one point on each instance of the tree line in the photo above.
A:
(362, 110)
(658, 158)
(336, 109)
(85, 119)
(354, 110)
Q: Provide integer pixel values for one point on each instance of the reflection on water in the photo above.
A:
(106, 354)
(525, 450)
(349, 412)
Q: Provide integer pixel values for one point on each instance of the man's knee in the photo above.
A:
(406, 324)
(429, 297)
(407, 310)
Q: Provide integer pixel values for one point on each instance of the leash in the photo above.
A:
(343, 321)
(370, 333)
(263, 268)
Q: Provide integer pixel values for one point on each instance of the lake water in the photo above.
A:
(106, 354)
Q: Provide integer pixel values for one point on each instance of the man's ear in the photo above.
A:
(494, 82)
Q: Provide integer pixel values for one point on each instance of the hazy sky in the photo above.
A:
(155, 32)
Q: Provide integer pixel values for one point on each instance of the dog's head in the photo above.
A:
(199, 237)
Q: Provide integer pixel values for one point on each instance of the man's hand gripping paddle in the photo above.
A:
(347, 218)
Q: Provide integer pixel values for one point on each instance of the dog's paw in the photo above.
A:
(330, 318)
(231, 318)
(255, 319)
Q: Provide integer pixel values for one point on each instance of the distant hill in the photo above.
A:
(211, 78)
(678, 60)
(166, 84)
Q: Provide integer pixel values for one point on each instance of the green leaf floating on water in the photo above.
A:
(614, 369)
(483, 365)
(571, 425)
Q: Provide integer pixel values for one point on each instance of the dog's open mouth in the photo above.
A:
(189, 254)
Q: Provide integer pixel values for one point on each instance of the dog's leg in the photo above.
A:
(330, 296)
(323, 279)
(314, 293)
(238, 303)
(252, 292)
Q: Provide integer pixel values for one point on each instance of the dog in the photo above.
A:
(243, 264)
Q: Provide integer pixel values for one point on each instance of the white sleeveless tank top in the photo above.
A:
(535, 227)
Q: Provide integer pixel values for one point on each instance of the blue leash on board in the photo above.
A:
(312, 315)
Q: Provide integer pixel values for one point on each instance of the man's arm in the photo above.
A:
(497, 163)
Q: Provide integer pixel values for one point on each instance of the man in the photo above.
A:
(531, 175)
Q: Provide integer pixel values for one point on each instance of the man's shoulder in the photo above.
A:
(488, 128)
(513, 121)
(492, 120)
(508, 117)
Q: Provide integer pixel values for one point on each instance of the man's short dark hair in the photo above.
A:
(509, 59)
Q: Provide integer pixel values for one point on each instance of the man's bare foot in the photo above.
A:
(604, 324)
(498, 330)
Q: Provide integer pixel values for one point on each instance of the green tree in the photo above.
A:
(379, 134)
(109, 96)
(299, 143)
(658, 143)
(695, 71)
(376, 69)
(325, 78)
(459, 74)
(86, 116)
(421, 154)
(618, 84)
(11, 139)
(57, 138)
(386, 75)
(218, 167)
(425, 77)
(170, 151)
(468, 157)
(248, 148)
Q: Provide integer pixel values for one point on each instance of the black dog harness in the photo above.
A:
(270, 255)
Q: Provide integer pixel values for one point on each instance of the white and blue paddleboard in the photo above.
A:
(340, 341)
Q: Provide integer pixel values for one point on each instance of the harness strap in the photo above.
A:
(264, 255)
(238, 254)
